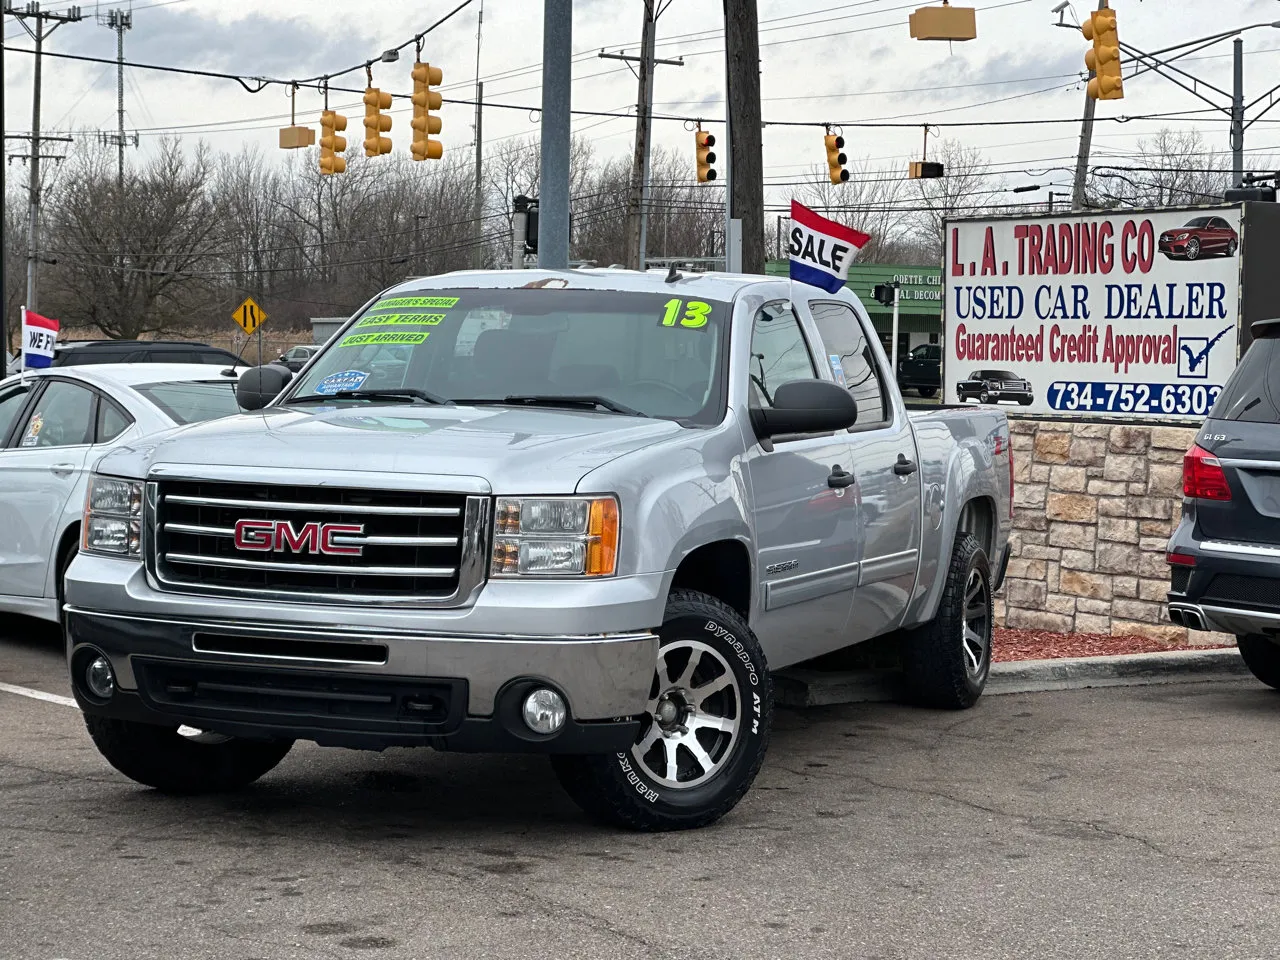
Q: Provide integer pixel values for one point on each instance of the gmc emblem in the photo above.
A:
(311, 537)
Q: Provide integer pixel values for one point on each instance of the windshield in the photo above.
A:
(654, 353)
(188, 402)
(1198, 222)
(999, 375)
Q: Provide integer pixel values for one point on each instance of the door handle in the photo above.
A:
(62, 469)
(904, 467)
(838, 478)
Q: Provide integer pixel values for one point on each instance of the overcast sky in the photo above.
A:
(820, 61)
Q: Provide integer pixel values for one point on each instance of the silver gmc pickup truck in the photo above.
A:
(582, 513)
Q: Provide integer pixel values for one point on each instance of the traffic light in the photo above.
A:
(376, 122)
(1104, 58)
(425, 100)
(925, 170)
(331, 144)
(836, 158)
(703, 142)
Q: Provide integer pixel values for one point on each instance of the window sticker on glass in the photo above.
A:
(32, 436)
(401, 303)
(837, 368)
(402, 320)
(343, 380)
(364, 339)
(692, 314)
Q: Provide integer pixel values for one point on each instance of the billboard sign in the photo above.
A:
(1123, 313)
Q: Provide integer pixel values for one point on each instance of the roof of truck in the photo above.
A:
(716, 286)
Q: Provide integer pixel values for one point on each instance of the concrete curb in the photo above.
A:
(816, 688)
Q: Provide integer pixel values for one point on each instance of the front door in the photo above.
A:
(39, 469)
(887, 472)
(804, 511)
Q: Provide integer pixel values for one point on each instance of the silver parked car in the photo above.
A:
(54, 425)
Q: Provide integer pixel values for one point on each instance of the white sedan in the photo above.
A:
(54, 426)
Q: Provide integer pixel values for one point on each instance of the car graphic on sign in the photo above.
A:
(993, 386)
(1200, 236)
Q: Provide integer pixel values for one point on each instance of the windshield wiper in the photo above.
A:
(404, 394)
(561, 400)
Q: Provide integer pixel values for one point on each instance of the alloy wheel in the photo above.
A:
(975, 640)
(693, 718)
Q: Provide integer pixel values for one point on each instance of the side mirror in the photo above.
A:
(805, 406)
(258, 386)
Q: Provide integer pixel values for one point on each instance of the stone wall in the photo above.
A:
(1094, 505)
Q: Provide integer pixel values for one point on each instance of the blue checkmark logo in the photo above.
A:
(1193, 355)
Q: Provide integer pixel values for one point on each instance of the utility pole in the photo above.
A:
(553, 181)
(638, 196)
(32, 11)
(478, 202)
(1086, 139)
(742, 53)
(1237, 115)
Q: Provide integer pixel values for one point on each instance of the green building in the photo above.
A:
(919, 300)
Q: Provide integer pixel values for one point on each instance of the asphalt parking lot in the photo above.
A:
(1125, 822)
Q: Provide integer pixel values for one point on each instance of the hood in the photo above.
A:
(517, 450)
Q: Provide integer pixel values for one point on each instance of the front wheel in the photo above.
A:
(1262, 657)
(984, 397)
(927, 392)
(704, 732)
(1193, 248)
(173, 762)
(946, 662)
(1024, 401)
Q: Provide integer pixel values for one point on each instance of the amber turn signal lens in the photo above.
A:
(602, 545)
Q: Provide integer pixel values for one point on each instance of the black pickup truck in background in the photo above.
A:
(921, 370)
(1224, 555)
(995, 386)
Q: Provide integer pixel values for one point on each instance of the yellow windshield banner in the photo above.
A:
(401, 320)
(365, 339)
(402, 303)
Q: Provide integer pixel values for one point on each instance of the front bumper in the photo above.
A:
(361, 689)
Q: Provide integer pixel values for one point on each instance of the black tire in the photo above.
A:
(620, 789)
(1024, 401)
(1262, 657)
(927, 392)
(984, 397)
(940, 665)
(65, 556)
(1193, 248)
(163, 758)
(1232, 245)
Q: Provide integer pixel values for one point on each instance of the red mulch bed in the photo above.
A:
(1041, 645)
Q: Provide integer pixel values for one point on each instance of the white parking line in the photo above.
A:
(37, 694)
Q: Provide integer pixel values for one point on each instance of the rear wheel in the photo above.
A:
(1232, 245)
(1262, 657)
(181, 760)
(704, 732)
(946, 662)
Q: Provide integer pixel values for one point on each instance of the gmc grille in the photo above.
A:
(424, 548)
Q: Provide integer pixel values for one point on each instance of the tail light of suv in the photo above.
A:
(1203, 477)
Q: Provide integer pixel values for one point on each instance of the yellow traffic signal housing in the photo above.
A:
(331, 144)
(425, 100)
(376, 122)
(703, 142)
(1104, 59)
(836, 158)
(943, 23)
(292, 138)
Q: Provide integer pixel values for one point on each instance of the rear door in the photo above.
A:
(887, 471)
(1243, 432)
(39, 469)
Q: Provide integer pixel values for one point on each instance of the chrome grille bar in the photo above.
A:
(313, 507)
(200, 561)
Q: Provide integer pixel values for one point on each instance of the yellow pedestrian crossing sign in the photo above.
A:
(249, 315)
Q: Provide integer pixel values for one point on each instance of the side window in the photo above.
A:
(112, 421)
(779, 353)
(11, 402)
(63, 417)
(845, 339)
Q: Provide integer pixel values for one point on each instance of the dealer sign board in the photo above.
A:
(1129, 313)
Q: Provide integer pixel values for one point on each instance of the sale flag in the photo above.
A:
(39, 338)
(821, 249)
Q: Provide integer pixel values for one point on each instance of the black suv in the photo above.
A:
(921, 370)
(140, 351)
(1224, 556)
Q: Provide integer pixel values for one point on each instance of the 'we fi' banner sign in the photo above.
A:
(39, 338)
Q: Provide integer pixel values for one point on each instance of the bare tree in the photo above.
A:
(1172, 168)
(869, 201)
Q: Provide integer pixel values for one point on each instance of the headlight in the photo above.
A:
(1182, 236)
(112, 517)
(555, 536)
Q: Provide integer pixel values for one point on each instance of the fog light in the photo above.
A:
(99, 678)
(544, 711)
